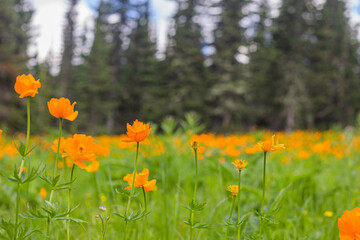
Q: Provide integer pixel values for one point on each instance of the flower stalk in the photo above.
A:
(145, 218)
(132, 189)
(22, 164)
(69, 204)
(263, 199)
(238, 201)
(192, 213)
(229, 219)
(55, 171)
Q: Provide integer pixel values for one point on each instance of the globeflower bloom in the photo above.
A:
(349, 225)
(269, 146)
(0, 132)
(62, 108)
(138, 132)
(141, 180)
(43, 193)
(240, 164)
(80, 148)
(27, 86)
(233, 189)
(93, 167)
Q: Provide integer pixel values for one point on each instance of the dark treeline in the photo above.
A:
(298, 69)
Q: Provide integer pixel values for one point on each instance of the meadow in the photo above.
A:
(311, 179)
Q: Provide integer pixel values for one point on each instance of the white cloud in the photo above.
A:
(49, 21)
(162, 11)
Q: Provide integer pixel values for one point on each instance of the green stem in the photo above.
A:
(263, 199)
(192, 214)
(17, 207)
(57, 157)
(97, 189)
(231, 212)
(238, 219)
(27, 134)
(132, 188)
(145, 219)
(28, 124)
(69, 203)
(103, 227)
(55, 170)
(104, 232)
(22, 164)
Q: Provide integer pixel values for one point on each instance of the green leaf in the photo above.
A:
(194, 206)
(76, 220)
(133, 216)
(33, 174)
(21, 149)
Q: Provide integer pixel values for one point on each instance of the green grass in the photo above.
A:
(302, 189)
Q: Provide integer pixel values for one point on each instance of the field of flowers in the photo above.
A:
(187, 186)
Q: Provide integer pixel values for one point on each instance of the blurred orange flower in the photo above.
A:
(138, 132)
(349, 225)
(43, 193)
(93, 167)
(268, 145)
(80, 148)
(233, 189)
(62, 108)
(240, 164)
(141, 180)
(27, 86)
(0, 132)
(55, 145)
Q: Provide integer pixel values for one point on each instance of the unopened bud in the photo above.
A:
(195, 145)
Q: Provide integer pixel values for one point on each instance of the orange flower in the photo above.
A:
(54, 146)
(349, 225)
(80, 148)
(62, 108)
(268, 145)
(233, 189)
(93, 167)
(240, 164)
(43, 193)
(26, 86)
(138, 132)
(141, 180)
(0, 132)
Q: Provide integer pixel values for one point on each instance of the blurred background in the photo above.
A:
(233, 65)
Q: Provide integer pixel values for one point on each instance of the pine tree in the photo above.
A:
(66, 68)
(264, 104)
(334, 62)
(94, 76)
(185, 78)
(15, 18)
(118, 31)
(228, 92)
(293, 39)
(140, 69)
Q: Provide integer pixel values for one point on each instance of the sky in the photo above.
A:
(49, 20)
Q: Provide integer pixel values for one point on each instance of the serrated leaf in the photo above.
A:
(133, 216)
(28, 152)
(33, 174)
(21, 149)
(194, 206)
